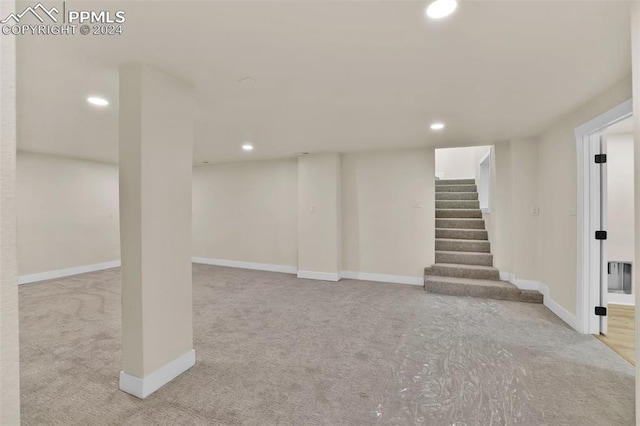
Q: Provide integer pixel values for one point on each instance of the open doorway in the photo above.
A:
(606, 229)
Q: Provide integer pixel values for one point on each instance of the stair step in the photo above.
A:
(457, 204)
(446, 244)
(456, 188)
(464, 271)
(531, 296)
(455, 182)
(462, 234)
(456, 195)
(490, 289)
(460, 223)
(459, 213)
(464, 258)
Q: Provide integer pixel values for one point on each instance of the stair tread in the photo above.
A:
(461, 240)
(457, 209)
(464, 266)
(461, 229)
(455, 181)
(471, 281)
(457, 192)
(464, 252)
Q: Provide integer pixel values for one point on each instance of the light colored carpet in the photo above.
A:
(273, 349)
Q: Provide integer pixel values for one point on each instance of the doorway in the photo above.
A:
(605, 305)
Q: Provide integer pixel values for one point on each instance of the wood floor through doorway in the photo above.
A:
(621, 333)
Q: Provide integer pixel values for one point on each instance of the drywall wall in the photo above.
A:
(9, 315)
(388, 209)
(512, 222)
(557, 193)
(67, 213)
(156, 131)
(459, 163)
(635, 61)
(498, 220)
(620, 211)
(524, 208)
(319, 216)
(246, 212)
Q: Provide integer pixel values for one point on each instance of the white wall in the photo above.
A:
(524, 205)
(9, 315)
(620, 211)
(557, 188)
(246, 212)
(459, 163)
(319, 216)
(388, 211)
(67, 213)
(635, 61)
(498, 220)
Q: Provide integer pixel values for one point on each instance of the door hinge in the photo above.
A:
(601, 235)
(601, 311)
(601, 158)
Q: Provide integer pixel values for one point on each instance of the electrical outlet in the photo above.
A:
(313, 208)
(536, 211)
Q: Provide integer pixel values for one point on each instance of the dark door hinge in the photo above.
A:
(601, 158)
(601, 311)
(601, 235)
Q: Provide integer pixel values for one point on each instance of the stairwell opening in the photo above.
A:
(463, 259)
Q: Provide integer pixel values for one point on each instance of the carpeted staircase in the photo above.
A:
(464, 263)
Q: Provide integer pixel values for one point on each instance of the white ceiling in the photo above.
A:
(328, 75)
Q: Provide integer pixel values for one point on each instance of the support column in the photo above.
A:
(9, 344)
(319, 217)
(156, 150)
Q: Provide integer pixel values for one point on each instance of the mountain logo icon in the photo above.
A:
(39, 11)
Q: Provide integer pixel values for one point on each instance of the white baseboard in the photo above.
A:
(142, 388)
(383, 278)
(246, 265)
(551, 304)
(559, 310)
(322, 276)
(48, 275)
(621, 299)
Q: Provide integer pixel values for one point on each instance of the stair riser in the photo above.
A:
(455, 182)
(460, 224)
(456, 188)
(479, 259)
(474, 246)
(456, 195)
(453, 204)
(458, 213)
(462, 234)
(453, 289)
(531, 297)
(478, 274)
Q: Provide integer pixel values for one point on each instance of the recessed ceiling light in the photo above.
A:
(437, 126)
(247, 147)
(97, 101)
(441, 8)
